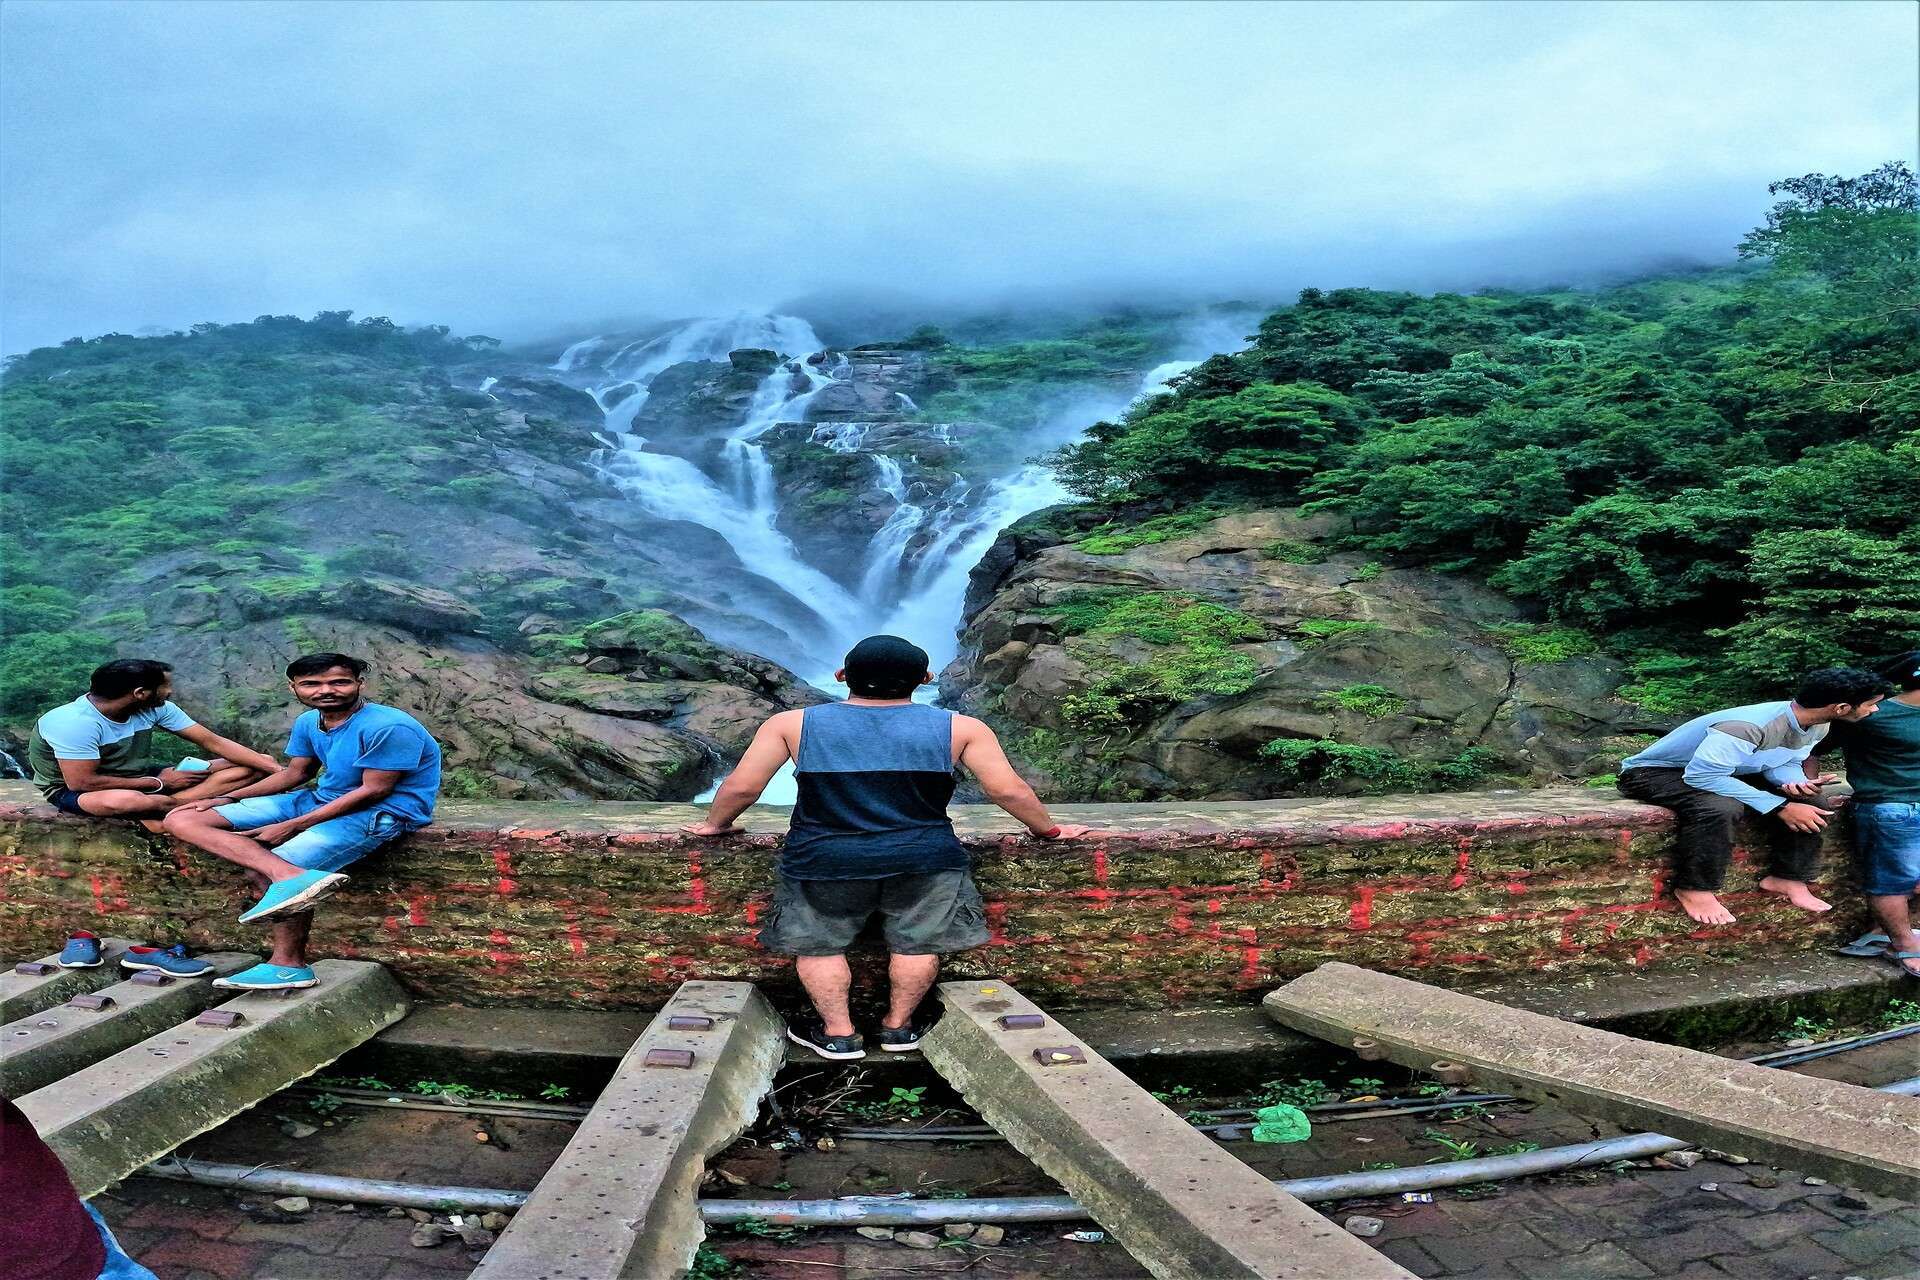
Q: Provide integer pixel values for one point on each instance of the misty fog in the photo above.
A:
(533, 171)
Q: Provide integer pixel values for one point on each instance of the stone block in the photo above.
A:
(622, 1198)
(107, 1120)
(1178, 1203)
(40, 1048)
(24, 993)
(1859, 1137)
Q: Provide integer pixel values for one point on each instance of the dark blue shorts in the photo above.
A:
(67, 800)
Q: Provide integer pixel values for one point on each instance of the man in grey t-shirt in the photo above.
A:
(88, 756)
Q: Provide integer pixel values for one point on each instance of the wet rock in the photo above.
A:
(1364, 1227)
(875, 1233)
(396, 1212)
(1678, 1160)
(917, 1239)
(473, 1235)
(1763, 1181)
(293, 1204)
(1813, 1182)
(989, 1235)
(602, 665)
(419, 1215)
(495, 1221)
(429, 1234)
(959, 1230)
(298, 1129)
(422, 610)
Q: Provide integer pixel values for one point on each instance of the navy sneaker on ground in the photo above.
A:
(81, 952)
(811, 1032)
(904, 1039)
(173, 960)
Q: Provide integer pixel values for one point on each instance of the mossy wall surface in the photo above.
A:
(611, 906)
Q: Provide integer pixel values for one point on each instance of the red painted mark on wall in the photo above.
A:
(108, 896)
(1100, 893)
(996, 924)
(416, 909)
(503, 863)
(1360, 915)
(501, 953)
(1623, 846)
(1249, 956)
(753, 911)
(1567, 944)
(1463, 860)
(1642, 956)
(696, 903)
(181, 862)
(575, 942)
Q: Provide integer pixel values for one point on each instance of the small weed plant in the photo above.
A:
(1899, 1013)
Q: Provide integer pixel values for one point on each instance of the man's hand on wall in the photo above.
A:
(710, 829)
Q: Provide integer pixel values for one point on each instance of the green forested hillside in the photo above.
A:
(1718, 472)
(120, 449)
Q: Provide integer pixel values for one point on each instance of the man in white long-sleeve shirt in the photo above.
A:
(1714, 768)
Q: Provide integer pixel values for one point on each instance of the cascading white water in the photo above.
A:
(914, 572)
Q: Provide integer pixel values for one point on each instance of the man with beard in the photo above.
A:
(378, 775)
(88, 756)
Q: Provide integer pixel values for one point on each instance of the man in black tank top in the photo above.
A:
(870, 834)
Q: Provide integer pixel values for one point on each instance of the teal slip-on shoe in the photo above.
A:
(173, 960)
(268, 977)
(285, 897)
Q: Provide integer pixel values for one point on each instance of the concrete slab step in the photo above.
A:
(109, 1119)
(42, 1047)
(22, 993)
(622, 1198)
(1181, 1205)
(1855, 1136)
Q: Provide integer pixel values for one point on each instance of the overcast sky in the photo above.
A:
(532, 169)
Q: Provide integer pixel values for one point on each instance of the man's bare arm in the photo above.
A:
(771, 747)
(295, 773)
(85, 775)
(980, 753)
(227, 749)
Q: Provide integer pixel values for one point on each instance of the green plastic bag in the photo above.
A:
(1281, 1124)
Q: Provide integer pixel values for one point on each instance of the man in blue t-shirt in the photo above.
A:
(378, 773)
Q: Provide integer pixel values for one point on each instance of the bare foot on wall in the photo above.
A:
(1703, 906)
(1796, 892)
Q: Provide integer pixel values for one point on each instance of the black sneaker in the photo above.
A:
(811, 1032)
(904, 1039)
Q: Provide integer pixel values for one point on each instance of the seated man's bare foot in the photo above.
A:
(1796, 892)
(1702, 906)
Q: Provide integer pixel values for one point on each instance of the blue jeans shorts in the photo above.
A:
(119, 1265)
(329, 846)
(1887, 839)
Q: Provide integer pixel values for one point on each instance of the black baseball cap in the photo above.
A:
(885, 667)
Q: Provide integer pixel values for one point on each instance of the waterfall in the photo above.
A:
(915, 568)
(9, 767)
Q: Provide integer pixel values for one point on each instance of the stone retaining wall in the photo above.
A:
(609, 905)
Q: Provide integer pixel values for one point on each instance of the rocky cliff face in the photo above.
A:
(1244, 660)
(476, 611)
